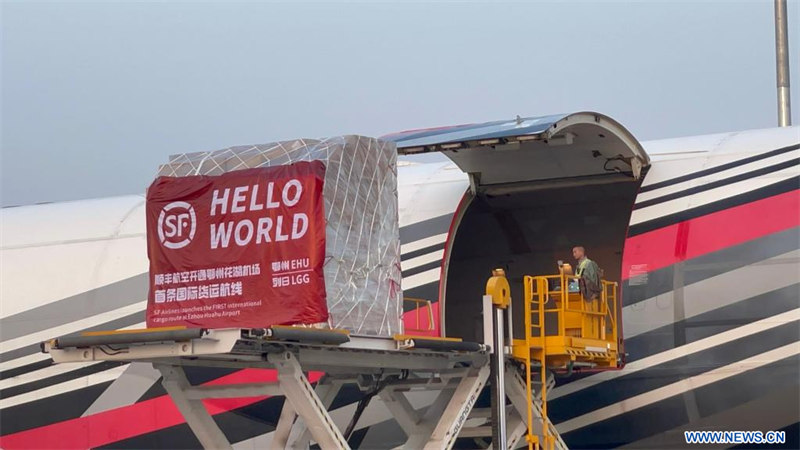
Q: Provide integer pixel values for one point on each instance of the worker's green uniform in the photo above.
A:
(589, 274)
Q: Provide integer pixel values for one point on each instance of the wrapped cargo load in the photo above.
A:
(360, 258)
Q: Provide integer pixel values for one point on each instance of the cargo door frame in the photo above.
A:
(528, 154)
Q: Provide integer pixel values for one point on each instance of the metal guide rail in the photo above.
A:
(314, 348)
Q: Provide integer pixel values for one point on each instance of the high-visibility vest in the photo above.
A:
(582, 266)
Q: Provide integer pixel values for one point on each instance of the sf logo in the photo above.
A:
(176, 225)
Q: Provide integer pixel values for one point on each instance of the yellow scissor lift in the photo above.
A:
(561, 330)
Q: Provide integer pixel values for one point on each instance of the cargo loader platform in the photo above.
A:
(455, 372)
(561, 330)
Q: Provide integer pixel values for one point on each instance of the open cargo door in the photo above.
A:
(538, 187)
(510, 155)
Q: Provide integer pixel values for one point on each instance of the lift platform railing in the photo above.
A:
(567, 328)
(418, 305)
(612, 308)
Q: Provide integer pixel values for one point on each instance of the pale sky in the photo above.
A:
(96, 95)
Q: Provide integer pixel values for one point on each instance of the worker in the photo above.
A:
(588, 274)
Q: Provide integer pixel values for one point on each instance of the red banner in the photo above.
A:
(240, 250)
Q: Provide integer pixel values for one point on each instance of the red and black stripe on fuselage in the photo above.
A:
(701, 244)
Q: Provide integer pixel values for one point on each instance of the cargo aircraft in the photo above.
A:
(701, 232)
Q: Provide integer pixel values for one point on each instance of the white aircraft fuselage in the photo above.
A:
(704, 243)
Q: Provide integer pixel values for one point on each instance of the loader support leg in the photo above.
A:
(198, 419)
(458, 409)
(306, 403)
